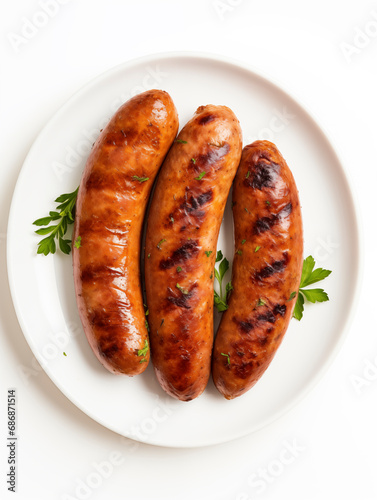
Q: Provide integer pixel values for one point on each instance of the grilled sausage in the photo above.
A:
(183, 227)
(266, 269)
(111, 203)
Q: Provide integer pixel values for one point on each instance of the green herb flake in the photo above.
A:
(144, 350)
(268, 203)
(200, 177)
(78, 242)
(257, 249)
(243, 242)
(149, 256)
(208, 252)
(160, 243)
(261, 302)
(181, 289)
(292, 296)
(140, 179)
(180, 141)
(239, 252)
(64, 354)
(172, 220)
(247, 175)
(193, 160)
(179, 269)
(227, 356)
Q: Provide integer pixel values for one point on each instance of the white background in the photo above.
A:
(319, 53)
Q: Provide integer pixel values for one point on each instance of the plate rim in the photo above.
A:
(352, 195)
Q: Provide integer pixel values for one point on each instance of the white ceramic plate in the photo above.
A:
(42, 287)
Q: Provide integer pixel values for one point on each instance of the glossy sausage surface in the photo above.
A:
(110, 208)
(266, 269)
(183, 226)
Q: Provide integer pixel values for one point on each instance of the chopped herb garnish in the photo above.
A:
(146, 325)
(193, 160)
(247, 175)
(160, 243)
(66, 216)
(268, 203)
(140, 179)
(179, 269)
(180, 141)
(78, 242)
(292, 296)
(181, 289)
(211, 276)
(64, 353)
(257, 248)
(261, 302)
(200, 177)
(309, 276)
(243, 242)
(149, 256)
(208, 252)
(172, 220)
(239, 252)
(227, 356)
(144, 350)
(246, 210)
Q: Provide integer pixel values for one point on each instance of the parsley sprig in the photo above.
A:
(220, 300)
(65, 216)
(309, 276)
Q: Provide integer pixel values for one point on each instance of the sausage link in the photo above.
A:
(111, 203)
(266, 269)
(183, 227)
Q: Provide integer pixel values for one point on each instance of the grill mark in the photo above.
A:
(276, 267)
(280, 309)
(101, 272)
(212, 156)
(268, 317)
(185, 252)
(243, 371)
(262, 341)
(182, 299)
(246, 326)
(263, 224)
(206, 119)
(263, 175)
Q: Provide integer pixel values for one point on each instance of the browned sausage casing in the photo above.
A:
(266, 269)
(183, 226)
(110, 208)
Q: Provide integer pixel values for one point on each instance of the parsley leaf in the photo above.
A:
(65, 217)
(208, 252)
(180, 141)
(309, 276)
(221, 300)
